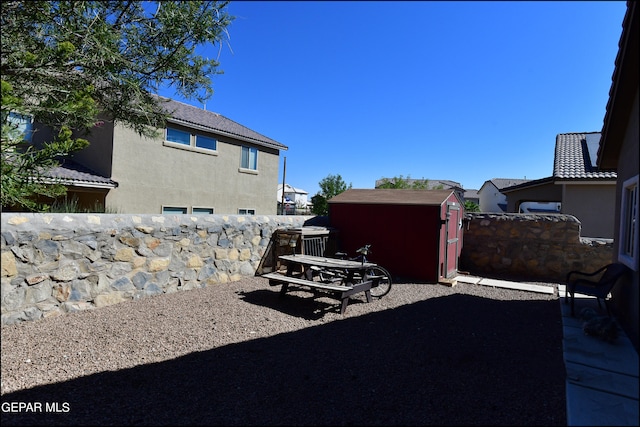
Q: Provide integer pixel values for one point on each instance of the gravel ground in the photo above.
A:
(239, 354)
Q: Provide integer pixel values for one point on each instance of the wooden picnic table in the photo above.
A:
(301, 272)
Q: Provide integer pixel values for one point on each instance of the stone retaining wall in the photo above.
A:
(59, 263)
(541, 247)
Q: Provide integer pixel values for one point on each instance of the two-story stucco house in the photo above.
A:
(202, 163)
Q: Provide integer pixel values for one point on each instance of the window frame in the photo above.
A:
(193, 140)
(199, 210)
(175, 208)
(628, 232)
(215, 142)
(247, 211)
(251, 166)
(183, 133)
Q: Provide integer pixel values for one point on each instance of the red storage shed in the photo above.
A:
(415, 234)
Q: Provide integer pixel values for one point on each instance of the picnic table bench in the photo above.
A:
(300, 272)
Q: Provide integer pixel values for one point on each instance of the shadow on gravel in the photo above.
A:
(454, 360)
(308, 305)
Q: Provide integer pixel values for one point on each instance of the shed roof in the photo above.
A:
(390, 196)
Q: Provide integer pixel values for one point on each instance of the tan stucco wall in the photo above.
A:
(541, 193)
(593, 205)
(152, 175)
(629, 152)
(97, 156)
(628, 295)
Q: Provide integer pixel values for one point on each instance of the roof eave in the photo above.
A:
(229, 134)
(623, 89)
(530, 184)
(78, 183)
(591, 181)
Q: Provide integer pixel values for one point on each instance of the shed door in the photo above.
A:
(453, 227)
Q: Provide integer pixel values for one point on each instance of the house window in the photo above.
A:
(246, 211)
(191, 141)
(202, 211)
(249, 158)
(21, 124)
(206, 142)
(628, 249)
(174, 210)
(178, 136)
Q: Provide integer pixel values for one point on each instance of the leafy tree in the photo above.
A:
(64, 63)
(399, 182)
(470, 206)
(330, 186)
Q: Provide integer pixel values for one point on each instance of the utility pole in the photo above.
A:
(284, 174)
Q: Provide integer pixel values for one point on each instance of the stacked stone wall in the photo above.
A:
(536, 247)
(60, 263)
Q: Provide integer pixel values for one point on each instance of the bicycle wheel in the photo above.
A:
(383, 280)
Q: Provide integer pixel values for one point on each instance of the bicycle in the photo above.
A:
(380, 277)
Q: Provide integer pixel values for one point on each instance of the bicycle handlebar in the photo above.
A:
(364, 251)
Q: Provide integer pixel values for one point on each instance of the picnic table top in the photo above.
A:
(326, 262)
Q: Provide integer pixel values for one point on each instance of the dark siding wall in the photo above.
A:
(404, 238)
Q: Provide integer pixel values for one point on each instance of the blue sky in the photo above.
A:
(463, 91)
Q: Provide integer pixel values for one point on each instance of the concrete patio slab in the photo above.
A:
(601, 377)
(598, 379)
(506, 284)
(588, 407)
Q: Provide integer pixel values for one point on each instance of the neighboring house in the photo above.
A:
(293, 198)
(578, 185)
(490, 194)
(203, 163)
(432, 184)
(471, 196)
(619, 150)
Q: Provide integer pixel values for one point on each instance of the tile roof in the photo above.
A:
(501, 183)
(290, 189)
(392, 196)
(72, 173)
(432, 184)
(471, 194)
(528, 184)
(573, 161)
(189, 115)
